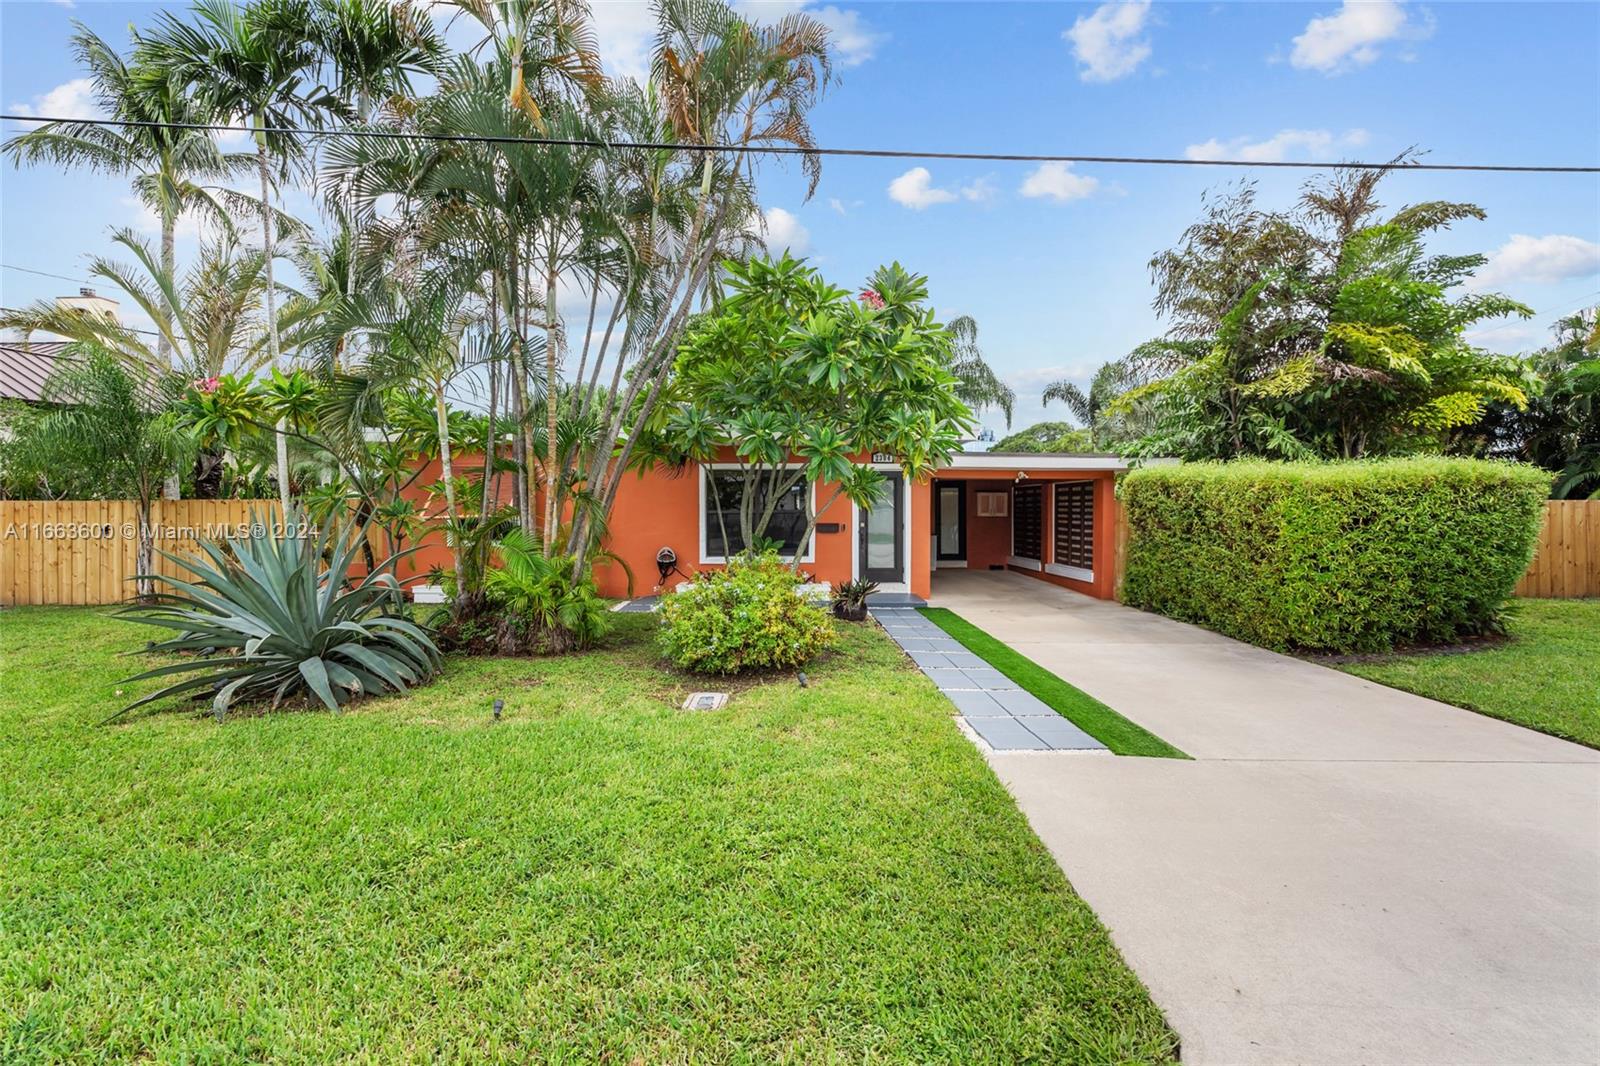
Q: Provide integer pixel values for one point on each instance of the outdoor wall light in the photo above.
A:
(1022, 475)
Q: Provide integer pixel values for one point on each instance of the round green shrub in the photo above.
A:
(750, 616)
(1342, 556)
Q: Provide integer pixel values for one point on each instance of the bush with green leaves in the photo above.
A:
(750, 616)
(1343, 556)
(273, 618)
(538, 606)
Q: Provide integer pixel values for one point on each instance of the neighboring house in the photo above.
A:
(25, 366)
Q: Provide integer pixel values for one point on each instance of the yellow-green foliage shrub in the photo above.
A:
(1353, 556)
(750, 616)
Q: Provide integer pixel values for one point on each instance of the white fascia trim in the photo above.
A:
(1077, 573)
(984, 461)
(700, 516)
(1026, 564)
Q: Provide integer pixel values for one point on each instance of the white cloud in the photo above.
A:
(73, 99)
(980, 191)
(624, 30)
(1108, 43)
(915, 190)
(784, 231)
(1351, 36)
(1058, 182)
(837, 204)
(1312, 144)
(1539, 260)
(854, 41)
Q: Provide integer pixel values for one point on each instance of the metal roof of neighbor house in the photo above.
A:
(25, 366)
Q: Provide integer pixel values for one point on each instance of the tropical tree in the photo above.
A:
(790, 367)
(720, 82)
(166, 162)
(1046, 437)
(222, 414)
(254, 62)
(207, 320)
(1092, 408)
(1327, 330)
(112, 418)
(980, 386)
(1559, 427)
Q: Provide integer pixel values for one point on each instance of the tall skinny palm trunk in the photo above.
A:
(282, 439)
(552, 362)
(169, 265)
(447, 472)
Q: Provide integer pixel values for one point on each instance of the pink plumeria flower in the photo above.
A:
(871, 298)
(207, 385)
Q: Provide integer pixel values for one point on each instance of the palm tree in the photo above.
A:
(252, 62)
(208, 318)
(721, 81)
(979, 386)
(1091, 408)
(166, 163)
(114, 415)
(372, 48)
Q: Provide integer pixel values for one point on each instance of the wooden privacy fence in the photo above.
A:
(86, 551)
(1567, 561)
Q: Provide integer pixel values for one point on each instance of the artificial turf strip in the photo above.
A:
(1119, 735)
(819, 874)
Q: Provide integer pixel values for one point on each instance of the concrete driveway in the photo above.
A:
(1344, 874)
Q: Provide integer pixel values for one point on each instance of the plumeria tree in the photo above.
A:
(793, 380)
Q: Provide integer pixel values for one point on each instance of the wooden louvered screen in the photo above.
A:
(1027, 522)
(1074, 532)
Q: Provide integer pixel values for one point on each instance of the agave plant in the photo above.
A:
(270, 620)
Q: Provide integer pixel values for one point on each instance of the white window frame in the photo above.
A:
(811, 549)
(904, 584)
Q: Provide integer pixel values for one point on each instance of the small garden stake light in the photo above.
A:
(499, 705)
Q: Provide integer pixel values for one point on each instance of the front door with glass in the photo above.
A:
(950, 521)
(882, 538)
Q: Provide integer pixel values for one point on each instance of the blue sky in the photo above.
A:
(1052, 262)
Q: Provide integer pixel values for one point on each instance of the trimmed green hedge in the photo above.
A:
(1354, 556)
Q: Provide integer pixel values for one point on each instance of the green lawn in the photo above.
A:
(1546, 677)
(1117, 733)
(820, 874)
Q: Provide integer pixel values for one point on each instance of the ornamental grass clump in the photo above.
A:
(750, 616)
(277, 617)
(1341, 557)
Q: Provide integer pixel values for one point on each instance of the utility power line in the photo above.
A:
(46, 274)
(874, 153)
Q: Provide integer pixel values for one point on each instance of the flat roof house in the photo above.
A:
(1050, 516)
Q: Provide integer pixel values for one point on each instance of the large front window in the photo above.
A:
(788, 522)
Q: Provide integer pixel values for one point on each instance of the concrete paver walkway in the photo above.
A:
(991, 704)
(1344, 874)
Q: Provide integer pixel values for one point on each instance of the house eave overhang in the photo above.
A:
(1035, 461)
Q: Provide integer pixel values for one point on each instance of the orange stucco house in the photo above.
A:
(1049, 516)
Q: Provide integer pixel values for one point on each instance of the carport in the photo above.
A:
(1052, 517)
